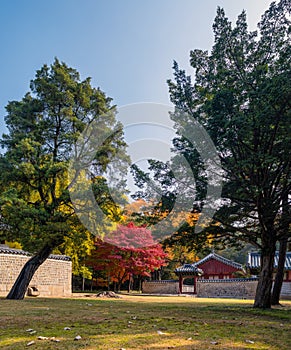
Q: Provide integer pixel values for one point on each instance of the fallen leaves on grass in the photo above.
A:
(30, 343)
(31, 331)
(54, 340)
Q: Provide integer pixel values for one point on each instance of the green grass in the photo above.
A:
(133, 322)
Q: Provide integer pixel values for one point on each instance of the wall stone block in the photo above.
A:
(53, 277)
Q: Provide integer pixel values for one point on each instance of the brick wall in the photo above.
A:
(53, 278)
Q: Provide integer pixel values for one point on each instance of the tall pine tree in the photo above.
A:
(43, 129)
(241, 96)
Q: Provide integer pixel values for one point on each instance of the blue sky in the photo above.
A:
(127, 47)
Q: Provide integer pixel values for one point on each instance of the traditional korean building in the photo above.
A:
(212, 267)
(254, 264)
(188, 271)
(215, 266)
(217, 277)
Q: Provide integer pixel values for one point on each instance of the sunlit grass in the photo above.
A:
(143, 322)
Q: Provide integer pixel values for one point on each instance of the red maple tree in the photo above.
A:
(129, 251)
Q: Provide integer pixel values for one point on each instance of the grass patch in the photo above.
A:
(143, 322)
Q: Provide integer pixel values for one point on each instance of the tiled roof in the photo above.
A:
(6, 250)
(221, 259)
(59, 257)
(191, 269)
(254, 260)
(188, 269)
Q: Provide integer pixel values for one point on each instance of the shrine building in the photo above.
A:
(212, 267)
(254, 264)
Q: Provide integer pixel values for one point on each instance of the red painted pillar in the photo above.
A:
(195, 286)
(180, 284)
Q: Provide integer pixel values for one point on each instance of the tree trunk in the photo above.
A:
(285, 223)
(129, 284)
(275, 299)
(83, 283)
(21, 284)
(264, 288)
(108, 283)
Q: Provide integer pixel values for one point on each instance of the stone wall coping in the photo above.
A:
(229, 280)
(7, 250)
(162, 281)
(12, 251)
(59, 257)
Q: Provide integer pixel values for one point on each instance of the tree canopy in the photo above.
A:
(128, 251)
(241, 96)
(43, 129)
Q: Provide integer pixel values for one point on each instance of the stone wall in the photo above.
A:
(286, 290)
(232, 288)
(160, 287)
(244, 288)
(53, 278)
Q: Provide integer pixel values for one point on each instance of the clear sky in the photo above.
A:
(127, 46)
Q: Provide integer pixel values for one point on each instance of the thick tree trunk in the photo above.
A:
(285, 223)
(275, 299)
(264, 288)
(21, 284)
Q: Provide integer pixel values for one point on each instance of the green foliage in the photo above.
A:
(241, 95)
(77, 244)
(43, 129)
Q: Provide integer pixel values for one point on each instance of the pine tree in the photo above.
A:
(43, 129)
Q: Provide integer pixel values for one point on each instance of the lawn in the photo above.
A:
(142, 322)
